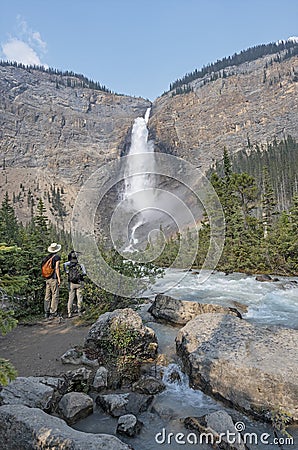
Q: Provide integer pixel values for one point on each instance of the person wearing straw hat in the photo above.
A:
(53, 281)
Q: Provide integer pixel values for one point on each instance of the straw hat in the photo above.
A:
(54, 248)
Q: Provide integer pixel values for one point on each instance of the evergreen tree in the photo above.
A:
(9, 228)
(227, 165)
(268, 202)
(11, 283)
(40, 227)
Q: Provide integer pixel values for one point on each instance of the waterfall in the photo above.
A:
(140, 182)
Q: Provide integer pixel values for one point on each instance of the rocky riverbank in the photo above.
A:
(118, 371)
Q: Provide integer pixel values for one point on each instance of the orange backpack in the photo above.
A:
(46, 268)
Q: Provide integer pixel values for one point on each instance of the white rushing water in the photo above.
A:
(138, 183)
(269, 303)
(139, 144)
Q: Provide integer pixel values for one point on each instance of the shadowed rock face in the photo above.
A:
(253, 368)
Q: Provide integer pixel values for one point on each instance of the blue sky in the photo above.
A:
(139, 47)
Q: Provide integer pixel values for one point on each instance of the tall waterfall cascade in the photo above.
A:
(139, 183)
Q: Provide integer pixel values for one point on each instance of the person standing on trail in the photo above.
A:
(50, 269)
(76, 273)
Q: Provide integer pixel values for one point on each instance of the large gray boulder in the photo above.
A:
(254, 368)
(120, 342)
(148, 385)
(121, 323)
(218, 425)
(30, 428)
(127, 403)
(180, 312)
(35, 392)
(74, 406)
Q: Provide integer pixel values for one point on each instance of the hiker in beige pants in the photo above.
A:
(76, 273)
(75, 289)
(51, 298)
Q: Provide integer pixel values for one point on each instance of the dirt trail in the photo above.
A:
(36, 349)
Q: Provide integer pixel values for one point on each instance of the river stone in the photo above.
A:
(218, 422)
(265, 277)
(74, 406)
(30, 428)
(129, 425)
(144, 344)
(101, 379)
(180, 312)
(76, 357)
(253, 368)
(148, 385)
(72, 356)
(120, 404)
(80, 374)
(240, 306)
(31, 391)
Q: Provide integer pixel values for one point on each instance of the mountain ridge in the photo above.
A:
(55, 132)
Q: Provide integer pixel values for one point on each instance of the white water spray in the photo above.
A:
(138, 183)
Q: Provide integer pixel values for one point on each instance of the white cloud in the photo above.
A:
(19, 51)
(37, 38)
(27, 47)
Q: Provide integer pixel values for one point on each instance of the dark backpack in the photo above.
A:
(47, 269)
(75, 273)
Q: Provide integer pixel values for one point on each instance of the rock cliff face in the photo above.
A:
(55, 133)
(255, 101)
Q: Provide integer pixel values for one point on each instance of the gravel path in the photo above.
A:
(36, 349)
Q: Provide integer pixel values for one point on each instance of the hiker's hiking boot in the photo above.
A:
(53, 316)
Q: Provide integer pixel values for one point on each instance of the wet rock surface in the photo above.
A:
(129, 425)
(148, 385)
(218, 423)
(127, 403)
(180, 312)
